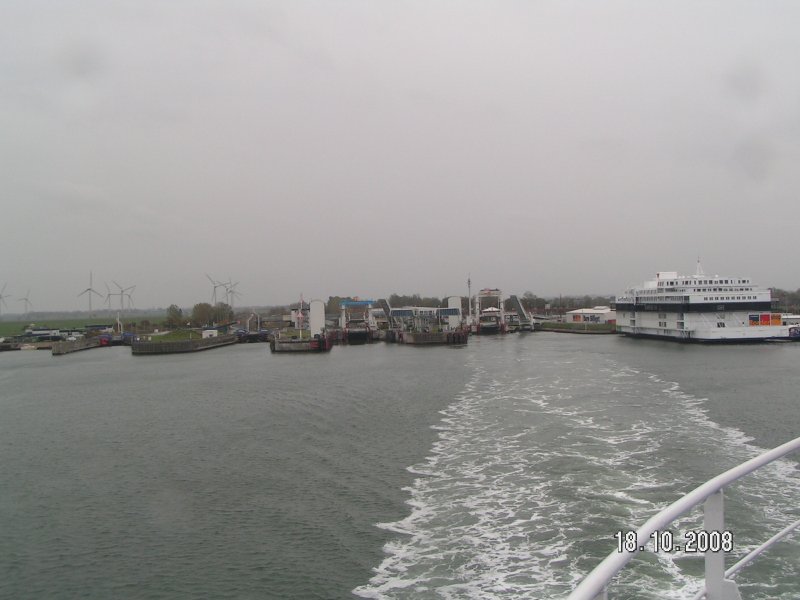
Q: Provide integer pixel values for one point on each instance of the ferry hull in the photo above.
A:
(489, 329)
(742, 335)
(357, 336)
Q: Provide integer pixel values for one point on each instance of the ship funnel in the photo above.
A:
(316, 318)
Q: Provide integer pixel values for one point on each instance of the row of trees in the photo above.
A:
(529, 300)
(202, 314)
(332, 306)
(560, 304)
(786, 301)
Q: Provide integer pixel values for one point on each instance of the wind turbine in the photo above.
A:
(231, 293)
(27, 301)
(109, 293)
(216, 284)
(90, 290)
(2, 298)
(122, 293)
(128, 292)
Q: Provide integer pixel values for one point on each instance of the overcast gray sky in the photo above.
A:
(371, 147)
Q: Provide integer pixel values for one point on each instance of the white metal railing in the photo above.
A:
(718, 582)
(751, 556)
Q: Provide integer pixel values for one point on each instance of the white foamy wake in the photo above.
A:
(537, 465)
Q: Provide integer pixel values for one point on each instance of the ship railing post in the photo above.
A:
(717, 587)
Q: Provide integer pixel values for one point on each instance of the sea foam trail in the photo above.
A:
(537, 465)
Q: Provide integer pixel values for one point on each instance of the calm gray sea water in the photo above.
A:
(497, 470)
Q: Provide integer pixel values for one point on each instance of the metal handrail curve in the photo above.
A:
(594, 584)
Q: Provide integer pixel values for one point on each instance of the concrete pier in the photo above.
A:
(182, 346)
(67, 347)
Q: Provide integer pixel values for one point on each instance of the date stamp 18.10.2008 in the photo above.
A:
(697, 540)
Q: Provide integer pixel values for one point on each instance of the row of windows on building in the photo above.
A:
(680, 324)
(706, 290)
(705, 282)
(716, 289)
(660, 298)
(730, 297)
(662, 324)
(654, 298)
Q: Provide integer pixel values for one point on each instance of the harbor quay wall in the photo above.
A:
(294, 346)
(69, 346)
(181, 346)
(421, 338)
(579, 331)
(580, 328)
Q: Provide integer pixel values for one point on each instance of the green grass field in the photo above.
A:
(175, 336)
(9, 328)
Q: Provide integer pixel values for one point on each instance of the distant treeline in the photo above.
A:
(559, 304)
(786, 301)
(530, 301)
(204, 313)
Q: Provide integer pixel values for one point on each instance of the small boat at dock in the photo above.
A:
(489, 320)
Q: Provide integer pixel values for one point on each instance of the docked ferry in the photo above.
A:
(491, 319)
(701, 308)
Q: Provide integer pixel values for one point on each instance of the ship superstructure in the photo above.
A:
(700, 308)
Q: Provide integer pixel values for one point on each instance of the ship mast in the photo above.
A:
(469, 296)
(699, 271)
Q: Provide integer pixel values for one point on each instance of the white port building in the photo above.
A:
(598, 314)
